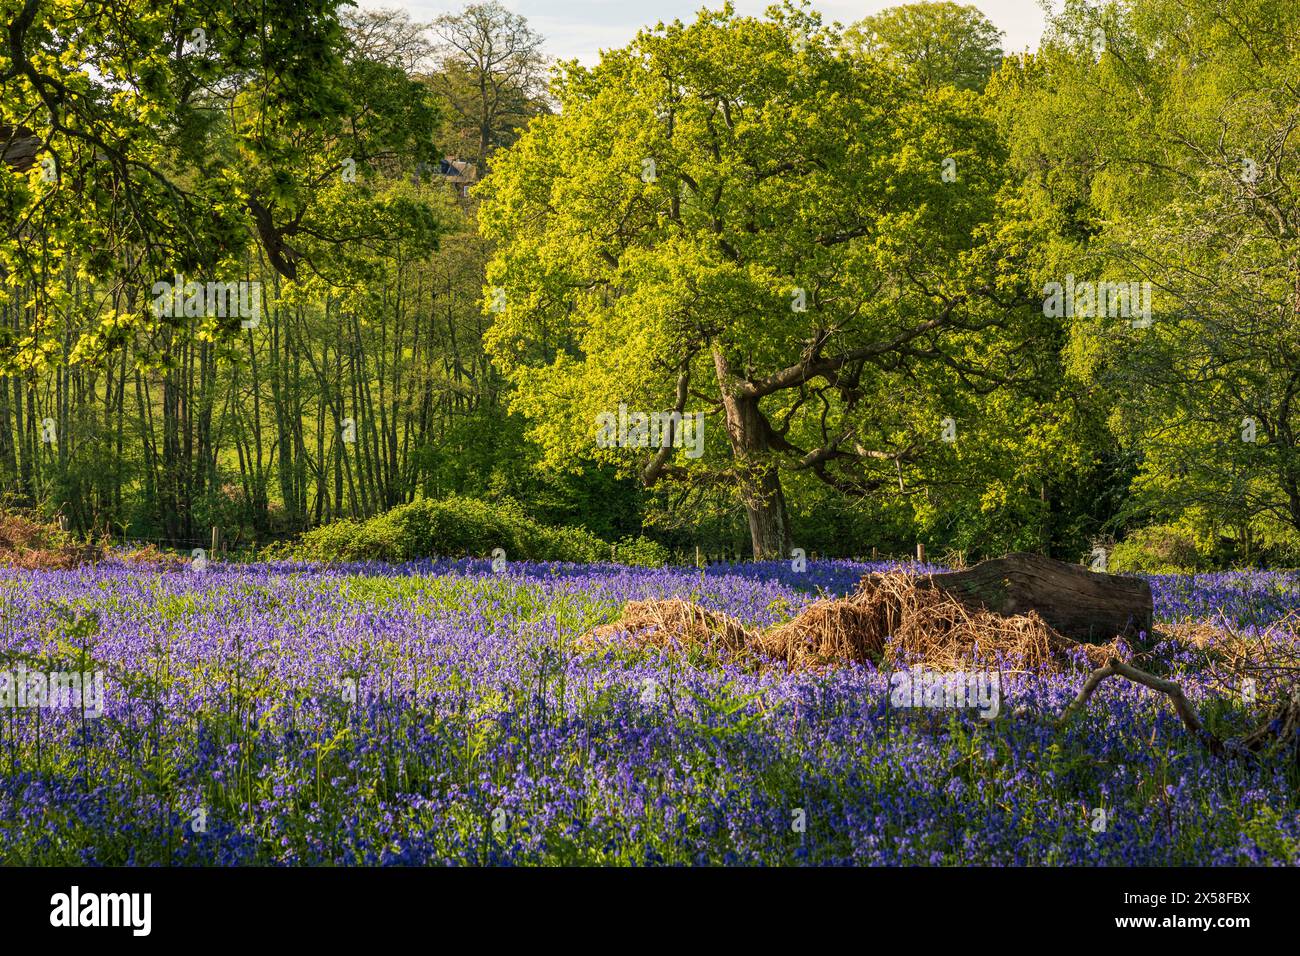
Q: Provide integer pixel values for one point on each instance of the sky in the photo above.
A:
(581, 28)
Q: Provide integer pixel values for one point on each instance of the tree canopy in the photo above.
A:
(938, 44)
(750, 219)
(747, 283)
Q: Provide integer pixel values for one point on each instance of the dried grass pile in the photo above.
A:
(1228, 655)
(669, 623)
(830, 632)
(888, 620)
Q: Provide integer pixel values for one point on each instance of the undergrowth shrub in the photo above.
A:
(30, 543)
(1159, 549)
(450, 527)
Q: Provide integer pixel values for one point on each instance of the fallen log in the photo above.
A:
(1089, 606)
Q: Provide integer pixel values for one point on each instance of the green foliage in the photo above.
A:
(787, 153)
(143, 167)
(745, 216)
(1158, 549)
(642, 551)
(1151, 142)
(492, 76)
(451, 527)
(940, 44)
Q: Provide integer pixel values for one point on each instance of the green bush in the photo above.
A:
(1159, 549)
(642, 551)
(450, 527)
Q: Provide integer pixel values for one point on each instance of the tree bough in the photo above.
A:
(1281, 728)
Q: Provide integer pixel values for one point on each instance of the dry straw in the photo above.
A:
(890, 619)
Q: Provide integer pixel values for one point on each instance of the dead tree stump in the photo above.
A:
(1088, 606)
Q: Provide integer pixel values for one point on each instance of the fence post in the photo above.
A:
(216, 540)
(920, 553)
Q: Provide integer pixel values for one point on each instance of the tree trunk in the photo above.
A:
(769, 529)
(760, 479)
